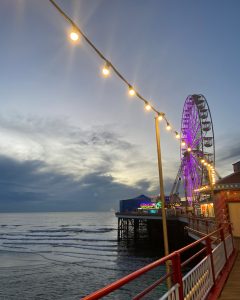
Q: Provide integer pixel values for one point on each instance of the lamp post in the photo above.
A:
(164, 221)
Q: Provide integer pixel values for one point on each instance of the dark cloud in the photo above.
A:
(24, 187)
(231, 151)
(227, 154)
(144, 184)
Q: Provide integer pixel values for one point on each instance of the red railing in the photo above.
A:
(201, 248)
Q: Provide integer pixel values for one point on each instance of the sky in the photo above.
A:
(73, 140)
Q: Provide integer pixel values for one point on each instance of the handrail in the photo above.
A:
(151, 287)
(198, 241)
(176, 266)
(128, 278)
(192, 257)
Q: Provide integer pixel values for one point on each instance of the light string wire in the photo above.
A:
(212, 174)
(159, 115)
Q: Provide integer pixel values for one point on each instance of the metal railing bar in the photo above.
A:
(213, 238)
(197, 242)
(192, 257)
(152, 286)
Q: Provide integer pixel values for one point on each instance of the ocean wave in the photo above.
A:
(18, 234)
(54, 238)
(67, 225)
(103, 248)
(10, 226)
(74, 230)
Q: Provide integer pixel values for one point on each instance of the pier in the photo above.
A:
(134, 227)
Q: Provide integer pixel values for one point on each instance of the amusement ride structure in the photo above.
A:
(197, 149)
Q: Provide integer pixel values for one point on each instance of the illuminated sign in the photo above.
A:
(147, 205)
(150, 205)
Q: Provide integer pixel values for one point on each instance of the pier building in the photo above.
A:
(227, 199)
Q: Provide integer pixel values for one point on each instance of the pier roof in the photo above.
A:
(140, 197)
(232, 178)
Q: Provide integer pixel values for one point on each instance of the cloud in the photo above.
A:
(231, 152)
(227, 154)
(52, 165)
(24, 187)
(67, 149)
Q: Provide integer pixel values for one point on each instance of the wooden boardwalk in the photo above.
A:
(231, 290)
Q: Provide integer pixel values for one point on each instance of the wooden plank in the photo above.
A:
(231, 289)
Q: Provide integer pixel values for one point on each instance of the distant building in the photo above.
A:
(227, 199)
(142, 204)
(131, 205)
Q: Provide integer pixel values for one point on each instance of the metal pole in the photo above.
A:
(160, 173)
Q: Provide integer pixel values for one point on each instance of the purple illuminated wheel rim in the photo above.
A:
(197, 142)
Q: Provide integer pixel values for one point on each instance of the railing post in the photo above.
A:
(209, 252)
(207, 227)
(177, 273)
(230, 231)
(223, 240)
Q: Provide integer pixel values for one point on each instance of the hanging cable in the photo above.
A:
(109, 66)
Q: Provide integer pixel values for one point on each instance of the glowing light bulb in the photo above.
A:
(147, 106)
(131, 91)
(168, 126)
(74, 35)
(183, 143)
(189, 149)
(160, 117)
(177, 135)
(202, 161)
(106, 70)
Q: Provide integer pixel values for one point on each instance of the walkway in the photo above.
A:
(231, 290)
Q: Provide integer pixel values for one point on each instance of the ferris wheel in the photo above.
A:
(197, 142)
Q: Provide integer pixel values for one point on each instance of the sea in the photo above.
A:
(68, 255)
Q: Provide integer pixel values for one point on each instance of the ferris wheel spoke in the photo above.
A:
(198, 166)
(197, 141)
(195, 118)
(195, 128)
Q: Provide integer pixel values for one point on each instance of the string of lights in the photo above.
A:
(75, 35)
(212, 173)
